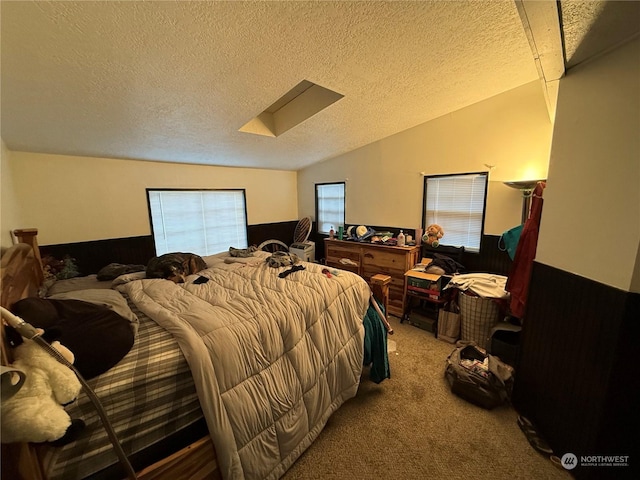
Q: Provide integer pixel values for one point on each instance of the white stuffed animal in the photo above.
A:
(36, 413)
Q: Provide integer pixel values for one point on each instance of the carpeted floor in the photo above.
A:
(412, 427)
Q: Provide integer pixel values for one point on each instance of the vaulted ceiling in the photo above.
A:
(176, 81)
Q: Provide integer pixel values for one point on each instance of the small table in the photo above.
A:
(380, 284)
(432, 291)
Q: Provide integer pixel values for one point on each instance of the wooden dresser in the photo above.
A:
(368, 259)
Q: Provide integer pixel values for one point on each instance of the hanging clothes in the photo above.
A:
(375, 346)
(520, 272)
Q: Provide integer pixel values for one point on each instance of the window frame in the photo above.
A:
(344, 206)
(485, 174)
(156, 189)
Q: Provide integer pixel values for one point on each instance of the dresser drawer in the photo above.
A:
(396, 305)
(350, 255)
(397, 278)
(389, 261)
(350, 268)
(368, 260)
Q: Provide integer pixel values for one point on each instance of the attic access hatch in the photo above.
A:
(297, 105)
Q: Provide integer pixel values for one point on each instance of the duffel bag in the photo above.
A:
(478, 377)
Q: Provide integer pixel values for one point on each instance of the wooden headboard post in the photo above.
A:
(30, 237)
(21, 276)
(19, 460)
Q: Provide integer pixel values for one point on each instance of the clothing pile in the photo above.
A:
(486, 285)
(282, 259)
(442, 264)
(242, 252)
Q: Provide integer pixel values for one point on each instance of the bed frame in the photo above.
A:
(22, 276)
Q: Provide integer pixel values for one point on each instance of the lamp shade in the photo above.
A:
(526, 187)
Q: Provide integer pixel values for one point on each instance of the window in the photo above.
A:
(329, 206)
(203, 222)
(457, 203)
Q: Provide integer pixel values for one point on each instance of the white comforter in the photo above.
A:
(272, 358)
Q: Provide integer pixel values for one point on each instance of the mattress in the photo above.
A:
(274, 351)
(148, 395)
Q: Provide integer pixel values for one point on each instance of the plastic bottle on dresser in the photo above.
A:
(331, 233)
(401, 239)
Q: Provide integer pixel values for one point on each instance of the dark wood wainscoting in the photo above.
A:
(282, 231)
(576, 377)
(91, 256)
(490, 259)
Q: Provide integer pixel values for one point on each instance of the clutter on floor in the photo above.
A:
(479, 377)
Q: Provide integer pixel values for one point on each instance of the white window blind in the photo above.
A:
(329, 206)
(457, 203)
(203, 222)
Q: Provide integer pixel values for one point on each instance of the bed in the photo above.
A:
(241, 365)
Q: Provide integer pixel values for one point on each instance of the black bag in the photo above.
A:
(478, 377)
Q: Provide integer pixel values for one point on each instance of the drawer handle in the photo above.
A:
(368, 255)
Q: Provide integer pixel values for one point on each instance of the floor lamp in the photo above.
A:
(526, 187)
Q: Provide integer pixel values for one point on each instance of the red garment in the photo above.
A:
(520, 273)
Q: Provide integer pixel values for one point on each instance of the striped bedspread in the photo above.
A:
(147, 396)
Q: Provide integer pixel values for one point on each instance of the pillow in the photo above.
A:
(98, 337)
(77, 283)
(107, 298)
(129, 277)
(46, 286)
(114, 270)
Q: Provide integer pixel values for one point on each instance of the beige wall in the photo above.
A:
(9, 206)
(72, 199)
(591, 217)
(511, 131)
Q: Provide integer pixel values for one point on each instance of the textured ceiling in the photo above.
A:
(595, 26)
(174, 81)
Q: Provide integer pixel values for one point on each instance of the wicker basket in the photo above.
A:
(477, 317)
